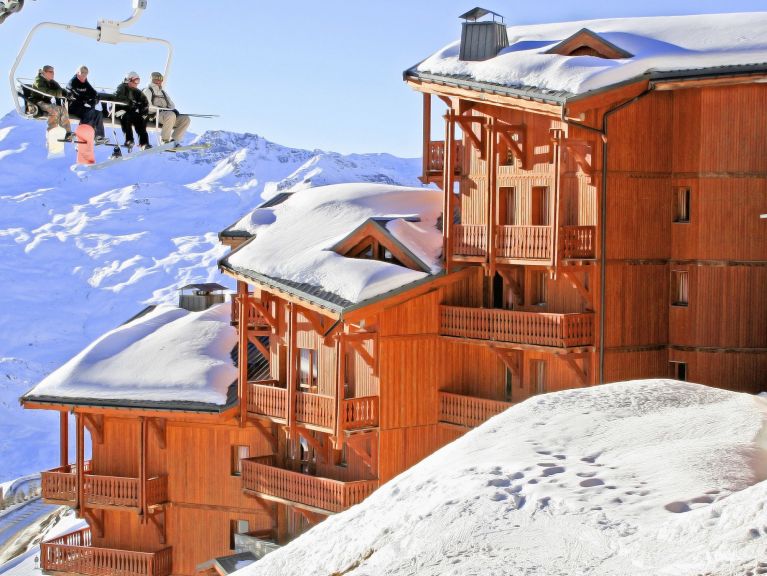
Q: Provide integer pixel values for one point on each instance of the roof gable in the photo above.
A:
(373, 236)
(587, 43)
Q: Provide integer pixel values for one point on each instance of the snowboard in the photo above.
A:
(85, 135)
(54, 142)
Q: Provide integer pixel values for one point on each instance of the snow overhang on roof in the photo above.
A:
(663, 47)
(167, 359)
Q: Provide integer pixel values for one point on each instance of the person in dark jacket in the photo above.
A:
(82, 102)
(47, 88)
(133, 111)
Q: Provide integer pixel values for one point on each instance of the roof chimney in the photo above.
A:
(482, 40)
(201, 296)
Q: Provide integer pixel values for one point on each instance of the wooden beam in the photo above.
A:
(80, 461)
(63, 438)
(492, 191)
(448, 176)
(265, 313)
(369, 457)
(159, 524)
(268, 431)
(581, 373)
(142, 468)
(95, 425)
(258, 344)
(319, 448)
(311, 517)
(242, 351)
(426, 144)
(511, 359)
(338, 436)
(576, 283)
(292, 368)
(95, 519)
(369, 359)
(466, 126)
(514, 286)
(314, 319)
(159, 428)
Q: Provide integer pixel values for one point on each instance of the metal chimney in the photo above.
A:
(482, 40)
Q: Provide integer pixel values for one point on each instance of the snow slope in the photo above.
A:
(84, 251)
(637, 478)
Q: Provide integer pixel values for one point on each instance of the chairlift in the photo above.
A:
(108, 31)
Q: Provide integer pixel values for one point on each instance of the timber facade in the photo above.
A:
(587, 240)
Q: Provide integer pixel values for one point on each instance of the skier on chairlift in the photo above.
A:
(50, 89)
(133, 111)
(174, 124)
(83, 98)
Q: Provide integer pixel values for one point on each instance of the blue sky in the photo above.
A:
(306, 74)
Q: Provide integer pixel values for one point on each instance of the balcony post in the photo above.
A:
(242, 350)
(556, 256)
(292, 369)
(492, 177)
(80, 461)
(142, 468)
(340, 379)
(447, 180)
(63, 438)
(426, 135)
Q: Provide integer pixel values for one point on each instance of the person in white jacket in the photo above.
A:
(173, 124)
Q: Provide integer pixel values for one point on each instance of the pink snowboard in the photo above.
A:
(85, 135)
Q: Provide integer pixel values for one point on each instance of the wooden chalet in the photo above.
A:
(593, 236)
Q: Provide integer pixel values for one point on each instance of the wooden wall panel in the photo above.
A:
(687, 128)
(118, 455)
(724, 221)
(638, 217)
(418, 316)
(467, 292)
(199, 463)
(637, 364)
(742, 372)
(124, 530)
(733, 129)
(403, 447)
(727, 308)
(640, 136)
(636, 301)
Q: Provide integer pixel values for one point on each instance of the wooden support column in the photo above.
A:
(292, 368)
(556, 208)
(242, 350)
(340, 378)
(447, 181)
(426, 135)
(63, 438)
(492, 177)
(142, 468)
(80, 461)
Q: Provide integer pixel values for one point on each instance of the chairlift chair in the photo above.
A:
(108, 31)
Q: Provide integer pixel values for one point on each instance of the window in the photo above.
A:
(237, 527)
(682, 205)
(680, 288)
(538, 376)
(307, 373)
(678, 370)
(508, 206)
(538, 294)
(539, 210)
(239, 452)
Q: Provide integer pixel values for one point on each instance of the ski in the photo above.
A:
(155, 149)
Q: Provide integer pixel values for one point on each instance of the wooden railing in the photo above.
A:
(525, 242)
(60, 484)
(533, 328)
(469, 240)
(259, 475)
(265, 398)
(436, 159)
(73, 553)
(359, 413)
(255, 320)
(577, 242)
(315, 409)
(468, 410)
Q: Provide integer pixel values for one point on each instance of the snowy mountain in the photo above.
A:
(637, 478)
(83, 251)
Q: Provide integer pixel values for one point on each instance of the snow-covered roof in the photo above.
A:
(636, 478)
(660, 46)
(169, 358)
(293, 241)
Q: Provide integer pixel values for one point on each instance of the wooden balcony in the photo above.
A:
(59, 486)
(436, 161)
(74, 553)
(267, 400)
(525, 244)
(532, 329)
(531, 243)
(578, 242)
(256, 321)
(468, 411)
(261, 477)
